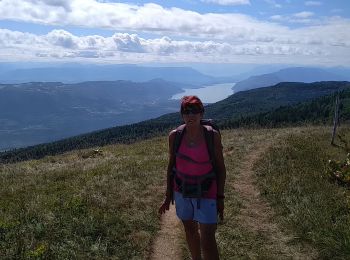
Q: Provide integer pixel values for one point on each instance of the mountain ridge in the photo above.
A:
(160, 125)
(83, 73)
(291, 74)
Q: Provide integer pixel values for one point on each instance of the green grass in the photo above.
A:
(293, 178)
(66, 207)
(88, 205)
(235, 240)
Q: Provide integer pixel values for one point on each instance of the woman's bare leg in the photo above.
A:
(193, 238)
(208, 241)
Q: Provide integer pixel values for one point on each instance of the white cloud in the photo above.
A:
(306, 18)
(303, 14)
(336, 10)
(128, 43)
(147, 18)
(228, 2)
(204, 37)
(313, 3)
(277, 17)
(273, 3)
(123, 47)
(62, 38)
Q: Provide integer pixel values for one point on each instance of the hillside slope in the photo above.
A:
(103, 204)
(316, 111)
(260, 100)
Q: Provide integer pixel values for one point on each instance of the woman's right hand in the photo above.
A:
(164, 207)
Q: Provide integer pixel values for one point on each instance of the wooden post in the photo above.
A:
(336, 117)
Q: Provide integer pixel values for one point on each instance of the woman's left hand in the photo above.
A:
(220, 206)
(165, 206)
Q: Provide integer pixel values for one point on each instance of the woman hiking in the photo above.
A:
(195, 179)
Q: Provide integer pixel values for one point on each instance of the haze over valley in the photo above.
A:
(37, 112)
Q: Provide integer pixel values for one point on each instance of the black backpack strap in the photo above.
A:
(180, 131)
(209, 138)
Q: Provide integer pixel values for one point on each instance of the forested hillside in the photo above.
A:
(266, 99)
(316, 111)
(283, 104)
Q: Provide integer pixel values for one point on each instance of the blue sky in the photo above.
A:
(209, 31)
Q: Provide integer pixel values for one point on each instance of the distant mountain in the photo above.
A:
(246, 108)
(260, 70)
(297, 74)
(37, 112)
(341, 71)
(79, 73)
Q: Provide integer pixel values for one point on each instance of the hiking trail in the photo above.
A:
(167, 243)
(255, 215)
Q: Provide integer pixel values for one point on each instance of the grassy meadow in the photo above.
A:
(103, 205)
(292, 175)
(83, 205)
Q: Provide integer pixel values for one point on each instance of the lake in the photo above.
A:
(208, 94)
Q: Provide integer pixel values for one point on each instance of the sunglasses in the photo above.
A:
(193, 111)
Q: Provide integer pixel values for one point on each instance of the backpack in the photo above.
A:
(195, 186)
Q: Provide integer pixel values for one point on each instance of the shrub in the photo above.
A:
(340, 170)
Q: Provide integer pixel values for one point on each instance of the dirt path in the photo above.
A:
(257, 215)
(167, 244)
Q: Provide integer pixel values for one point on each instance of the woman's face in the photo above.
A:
(192, 115)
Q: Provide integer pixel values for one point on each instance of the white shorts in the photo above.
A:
(187, 209)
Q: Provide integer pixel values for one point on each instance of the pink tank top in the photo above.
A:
(199, 154)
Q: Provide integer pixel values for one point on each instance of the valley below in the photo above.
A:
(32, 113)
